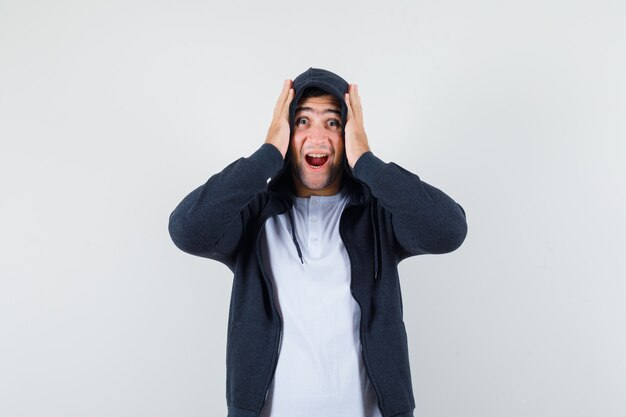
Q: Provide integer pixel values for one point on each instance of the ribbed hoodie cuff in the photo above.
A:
(268, 159)
(367, 167)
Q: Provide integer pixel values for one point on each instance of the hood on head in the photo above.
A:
(324, 80)
(336, 86)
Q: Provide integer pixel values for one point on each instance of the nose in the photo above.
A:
(317, 133)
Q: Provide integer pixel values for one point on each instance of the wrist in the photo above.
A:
(357, 154)
(277, 146)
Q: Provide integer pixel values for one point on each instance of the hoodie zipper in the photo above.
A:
(360, 319)
(280, 320)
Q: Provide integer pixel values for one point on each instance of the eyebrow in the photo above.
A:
(301, 109)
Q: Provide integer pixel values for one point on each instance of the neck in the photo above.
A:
(301, 191)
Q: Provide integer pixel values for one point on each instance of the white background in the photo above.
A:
(111, 112)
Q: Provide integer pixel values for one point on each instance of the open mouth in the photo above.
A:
(316, 160)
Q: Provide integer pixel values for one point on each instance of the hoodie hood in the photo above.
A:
(323, 79)
(334, 85)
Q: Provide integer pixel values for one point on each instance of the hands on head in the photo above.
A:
(356, 139)
(278, 134)
(356, 143)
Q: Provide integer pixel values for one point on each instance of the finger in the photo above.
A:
(353, 94)
(283, 96)
(355, 102)
(282, 92)
(285, 91)
(347, 99)
(290, 94)
(356, 96)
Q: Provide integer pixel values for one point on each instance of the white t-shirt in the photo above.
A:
(320, 369)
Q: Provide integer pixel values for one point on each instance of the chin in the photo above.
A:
(316, 185)
(312, 182)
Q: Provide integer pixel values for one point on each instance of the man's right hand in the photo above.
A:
(278, 134)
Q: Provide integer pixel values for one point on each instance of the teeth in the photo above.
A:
(317, 155)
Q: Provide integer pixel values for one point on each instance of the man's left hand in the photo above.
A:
(356, 139)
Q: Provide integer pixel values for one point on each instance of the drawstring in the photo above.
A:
(374, 222)
(293, 235)
(377, 255)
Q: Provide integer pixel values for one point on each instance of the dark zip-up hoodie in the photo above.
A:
(391, 215)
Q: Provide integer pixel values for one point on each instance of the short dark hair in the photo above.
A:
(316, 92)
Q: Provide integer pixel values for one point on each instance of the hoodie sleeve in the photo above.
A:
(424, 219)
(209, 221)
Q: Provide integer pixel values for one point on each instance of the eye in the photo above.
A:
(334, 123)
(300, 121)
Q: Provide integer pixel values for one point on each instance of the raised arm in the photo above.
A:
(424, 218)
(209, 221)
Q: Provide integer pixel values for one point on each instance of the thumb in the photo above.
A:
(288, 103)
(346, 97)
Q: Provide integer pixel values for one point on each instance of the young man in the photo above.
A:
(313, 226)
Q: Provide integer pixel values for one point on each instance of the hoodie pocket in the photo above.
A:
(388, 362)
(249, 356)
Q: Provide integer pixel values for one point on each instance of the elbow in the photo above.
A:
(454, 232)
(453, 238)
(182, 236)
(433, 232)
(177, 234)
(445, 241)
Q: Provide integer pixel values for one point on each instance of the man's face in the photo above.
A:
(317, 147)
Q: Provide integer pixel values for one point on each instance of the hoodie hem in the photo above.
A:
(407, 414)
(240, 412)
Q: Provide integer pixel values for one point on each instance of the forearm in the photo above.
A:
(424, 219)
(212, 212)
